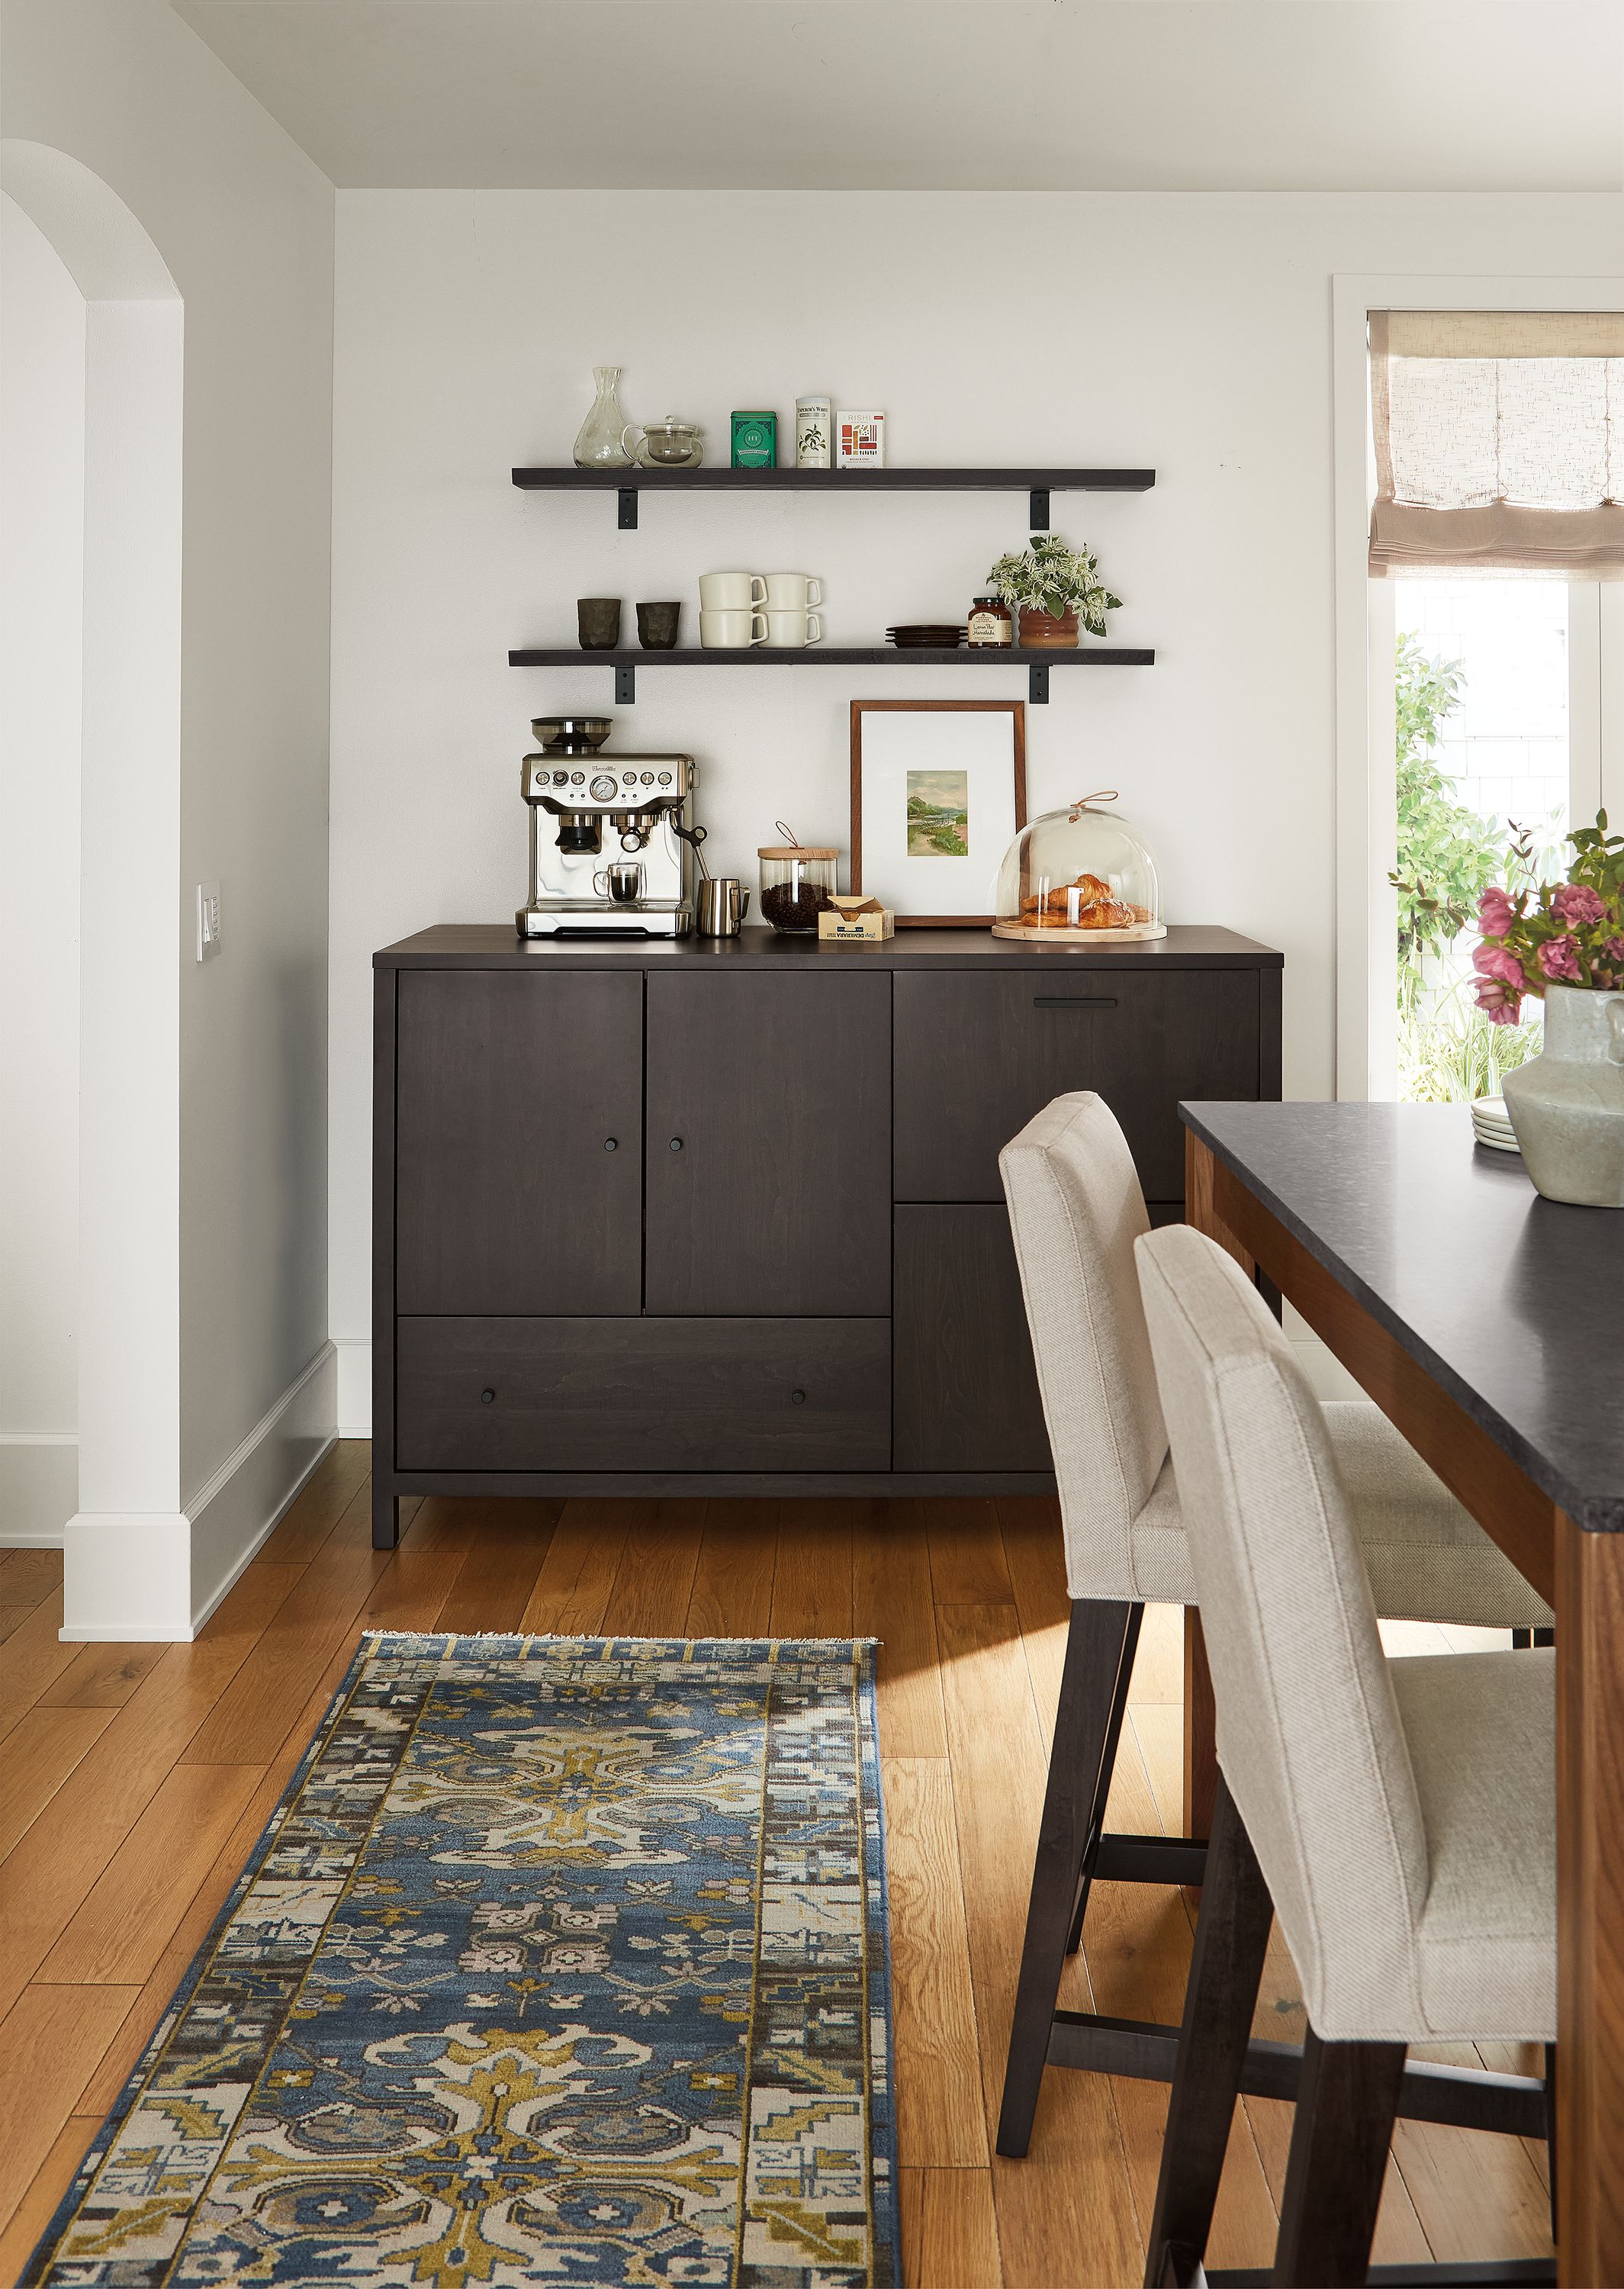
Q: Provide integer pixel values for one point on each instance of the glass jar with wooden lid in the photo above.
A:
(798, 881)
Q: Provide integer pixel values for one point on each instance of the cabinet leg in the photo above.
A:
(385, 1517)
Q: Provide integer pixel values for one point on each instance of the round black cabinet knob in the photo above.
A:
(611, 1144)
(676, 1144)
(486, 1397)
(798, 1399)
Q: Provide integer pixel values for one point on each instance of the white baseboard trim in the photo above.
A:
(39, 1487)
(354, 1385)
(156, 1577)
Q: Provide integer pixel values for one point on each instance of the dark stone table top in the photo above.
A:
(1514, 1304)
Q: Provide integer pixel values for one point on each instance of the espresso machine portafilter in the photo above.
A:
(608, 855)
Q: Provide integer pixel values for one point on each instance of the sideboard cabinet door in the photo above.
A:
(519, 1105)
(769, 1144)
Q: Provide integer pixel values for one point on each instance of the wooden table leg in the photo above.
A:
(1200, 1720)
(1201, 1730)
(1590, 1906)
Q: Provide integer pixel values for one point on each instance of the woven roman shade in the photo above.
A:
(1499, 442)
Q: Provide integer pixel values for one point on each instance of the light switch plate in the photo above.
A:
(208, 920)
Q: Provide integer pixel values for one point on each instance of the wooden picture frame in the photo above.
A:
(1016, 816)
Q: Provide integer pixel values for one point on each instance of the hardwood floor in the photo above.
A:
(134, 1779)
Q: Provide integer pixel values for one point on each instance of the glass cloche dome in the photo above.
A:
(1077, 876)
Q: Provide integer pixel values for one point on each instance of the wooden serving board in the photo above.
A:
(1064, 938)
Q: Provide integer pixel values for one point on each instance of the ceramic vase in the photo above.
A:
(1567, 1104)
(1042, 631)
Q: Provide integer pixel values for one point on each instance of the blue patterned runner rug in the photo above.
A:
(562, 1960)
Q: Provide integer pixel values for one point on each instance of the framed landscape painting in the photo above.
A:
(938, 794)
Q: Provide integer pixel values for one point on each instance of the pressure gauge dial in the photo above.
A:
(601, 787)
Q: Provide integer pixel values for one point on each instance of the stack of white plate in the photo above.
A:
(1492, 1126)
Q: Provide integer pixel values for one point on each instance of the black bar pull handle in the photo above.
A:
(1074, 1001)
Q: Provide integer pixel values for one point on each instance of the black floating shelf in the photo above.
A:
(1037, 664)
(1039, 484)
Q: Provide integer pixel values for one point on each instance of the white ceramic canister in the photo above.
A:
(1567, 1104)
(814, 428)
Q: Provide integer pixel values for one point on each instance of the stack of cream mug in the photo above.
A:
(739, 609)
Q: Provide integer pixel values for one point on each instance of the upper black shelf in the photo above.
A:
(626, 662)
(1039, 484)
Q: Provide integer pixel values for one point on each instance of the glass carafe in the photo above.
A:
(598, 445)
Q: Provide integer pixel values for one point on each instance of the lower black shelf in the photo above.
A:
(625, 661)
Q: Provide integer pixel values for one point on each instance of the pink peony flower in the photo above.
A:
(1614, 949)
(1559, 960)
(1576, 906)
(1496, 913)
(1499, 983)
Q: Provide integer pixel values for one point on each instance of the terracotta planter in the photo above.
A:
(1041, 632)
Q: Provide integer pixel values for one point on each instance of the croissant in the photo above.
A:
(1088, 895)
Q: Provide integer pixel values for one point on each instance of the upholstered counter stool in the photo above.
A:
(1398, 1815)
(1075, 1210)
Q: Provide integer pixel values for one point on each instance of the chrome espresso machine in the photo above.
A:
(611, 837)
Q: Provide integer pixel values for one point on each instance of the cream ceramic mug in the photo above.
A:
(793, 592)
(732, 631)
(789, 631)
(731, 592)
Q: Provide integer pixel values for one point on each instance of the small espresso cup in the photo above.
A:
(731, 592)
(656, 626)
(621, 883)
(598, 618)
(793, 592)
(732, 631)
(791, 631)
(721, 903)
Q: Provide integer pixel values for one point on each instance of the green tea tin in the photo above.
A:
(755, 441)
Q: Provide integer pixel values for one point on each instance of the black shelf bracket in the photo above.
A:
(1037, 508)
(628, 508)
(1038, 684)
(626, 676)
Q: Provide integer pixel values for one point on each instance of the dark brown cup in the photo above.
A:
(598, 618)
(656, 626)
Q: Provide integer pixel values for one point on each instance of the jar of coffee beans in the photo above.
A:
(797, 880)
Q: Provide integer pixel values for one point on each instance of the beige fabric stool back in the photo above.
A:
(1076, 1209)
(1309, 1736)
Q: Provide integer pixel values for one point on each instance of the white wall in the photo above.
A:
(244, 221)
(1191, 333)
(41, 572)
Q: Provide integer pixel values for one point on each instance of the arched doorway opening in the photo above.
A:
(126, 1555)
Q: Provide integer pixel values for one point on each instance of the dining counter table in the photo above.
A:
(1488, 1324)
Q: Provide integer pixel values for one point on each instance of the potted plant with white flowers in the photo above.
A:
(1055, 590)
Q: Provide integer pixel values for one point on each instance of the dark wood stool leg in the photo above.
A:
(1550, 2129)
(1225, 1971)
(1099, 1655)
(1108, 1766)
(1347, 2100)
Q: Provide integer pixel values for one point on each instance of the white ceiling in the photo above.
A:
(1432, 95)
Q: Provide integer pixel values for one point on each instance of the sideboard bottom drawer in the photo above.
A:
(643, 1394)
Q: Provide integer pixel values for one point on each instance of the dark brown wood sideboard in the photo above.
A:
(724, 1218)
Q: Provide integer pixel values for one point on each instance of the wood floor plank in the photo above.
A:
(101, 1676)
(127, 1917)
(891, 1600)
(32, 1658)
(498, 1570)
(967, 1562)
(341, 1475)
(29, 1576)
(252, 1717)
(1158, 1668)
(13, 1617)
(1071, 2192)
(655, 1580)
(732, 1596)
(572, 1590)
(950, 2232)
(441, 1522)
(50, 1872)
(50, 2041)
(411, 1592)
(21, 2235)
(812, 1582)
(938, 2093)
(910, 2211)
(1476, 2196)
(41, 1749)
